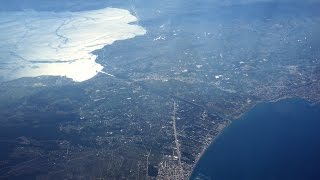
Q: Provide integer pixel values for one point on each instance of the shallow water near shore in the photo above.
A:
(272, 141)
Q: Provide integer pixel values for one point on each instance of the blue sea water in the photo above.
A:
(273, 141)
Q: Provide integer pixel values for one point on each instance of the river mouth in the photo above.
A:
(272, 141)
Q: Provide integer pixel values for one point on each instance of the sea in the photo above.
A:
(273, 141)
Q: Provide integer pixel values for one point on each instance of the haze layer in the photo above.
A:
(60, 44)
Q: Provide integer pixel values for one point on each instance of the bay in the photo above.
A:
(272, 141)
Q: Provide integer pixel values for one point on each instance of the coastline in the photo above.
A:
(238, 117)
(204, 150)
(65, 49)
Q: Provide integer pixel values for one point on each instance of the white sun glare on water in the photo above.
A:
(60, 44)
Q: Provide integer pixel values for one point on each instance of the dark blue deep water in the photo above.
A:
(273, 141)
